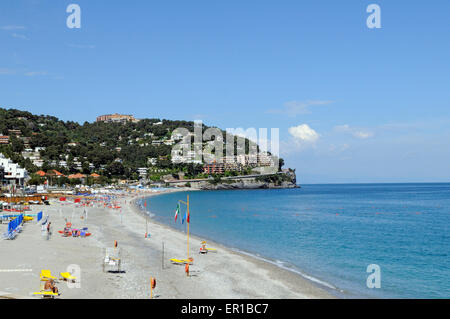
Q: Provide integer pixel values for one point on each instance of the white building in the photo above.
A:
(169, 142)
(13, 173)
(189, 157)
(152, 160)
(157, 142)
(142, 172)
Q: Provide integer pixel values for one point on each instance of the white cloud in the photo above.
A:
(356, 132)
(303, 133)
(293, 108)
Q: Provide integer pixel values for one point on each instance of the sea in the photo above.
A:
(354, 240)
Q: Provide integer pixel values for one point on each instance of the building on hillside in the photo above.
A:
(116, 118)
(264, 159)
(77, 165)
(177, 137)
(79, 176)
(13, 173)
(169, 142)
(142, 172)
(4, 139)
(38, 162)
(54, 173)
(73, 144)
(157, 142)
(152, 161)
(26, 141)
(15, 132)
(213, 168)
(95, 175)
(40, 173)
(33, 156)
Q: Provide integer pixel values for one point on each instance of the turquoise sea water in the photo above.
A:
(331, 233)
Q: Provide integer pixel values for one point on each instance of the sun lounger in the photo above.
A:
(180, 261)
(67, 276)
(9, 235)
(211, 250)
(45, 220)
(46, 275)
(46, 294)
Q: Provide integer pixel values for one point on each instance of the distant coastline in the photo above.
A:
(285, 179)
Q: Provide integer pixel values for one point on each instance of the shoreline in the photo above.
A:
(328, 288)
(226, 274)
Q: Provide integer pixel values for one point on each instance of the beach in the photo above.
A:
(225, 274)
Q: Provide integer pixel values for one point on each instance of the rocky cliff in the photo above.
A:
(285, 179)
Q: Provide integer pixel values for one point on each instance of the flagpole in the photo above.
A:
(187, 226)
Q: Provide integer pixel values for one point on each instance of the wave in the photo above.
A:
(288, 267)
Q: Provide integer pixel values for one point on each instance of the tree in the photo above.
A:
(115, 169)
(280, 164)
(16, 144)
(36, 180)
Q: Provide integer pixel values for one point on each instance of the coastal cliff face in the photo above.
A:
(281, 180)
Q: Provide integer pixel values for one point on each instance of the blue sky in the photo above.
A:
(353, 104)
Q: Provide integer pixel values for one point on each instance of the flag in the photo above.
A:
(184, 217)
(177, 211)
(188, 219)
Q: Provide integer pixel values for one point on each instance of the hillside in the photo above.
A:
(113, 150)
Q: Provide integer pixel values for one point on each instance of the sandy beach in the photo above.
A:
(225, 274)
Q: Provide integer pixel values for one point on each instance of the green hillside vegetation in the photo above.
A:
(96, 143)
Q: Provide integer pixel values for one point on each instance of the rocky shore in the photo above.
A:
(285, 179)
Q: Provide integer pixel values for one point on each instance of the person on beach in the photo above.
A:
(50, 286)
(48, 230)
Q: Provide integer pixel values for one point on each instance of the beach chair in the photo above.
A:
(67, 276)
(46, 275)
(9, 235)
(28, 218)
(180, 261)
(46, 294)
(45, 220)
